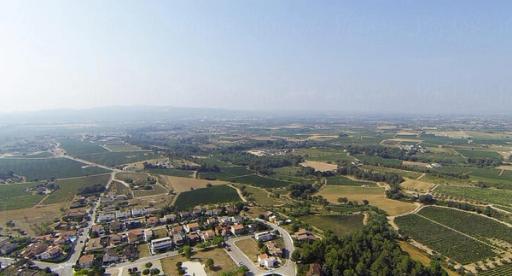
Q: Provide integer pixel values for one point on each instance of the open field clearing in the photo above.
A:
(226, 173)
(38, 169)
(172, 172)
(41, 154)
(406, 140)
(323, 154)
(472, 153)
(143, 250)
(319, 166)
(374, 195)
(420, 256)
(157, 201)
(498, 196)
(121, 147)
(71, 186)
(205, 196)
(76, 147)
(414, 164)
(260, 196)
(319, 137)
(27, 218)
(443, 240)
(157, 190)
(221, 260)
(14, 196)
(343, 180)
(474, 225)
(417, 185)
(260, 181)
(403, 173)
(184, 184)
(415, 253)
(118, 188)
(112, 159)
(377, 161)
(340, 225)
(249, 247)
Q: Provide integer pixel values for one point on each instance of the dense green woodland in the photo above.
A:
(371, 251)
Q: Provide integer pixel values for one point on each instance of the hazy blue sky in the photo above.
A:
(376, 56)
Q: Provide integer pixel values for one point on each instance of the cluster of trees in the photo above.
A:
(484, 162)
(261, 164)
(371, 251)
(309, 171)
(94, 189)
(488, 211)
(302, 191)
(208, 168)
(390, 178)
(383, 152)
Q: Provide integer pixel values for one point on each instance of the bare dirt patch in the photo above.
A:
(27, 218)
(417, 185)
(183, 184)
(319, 166)
(375, 196)
(414, 164)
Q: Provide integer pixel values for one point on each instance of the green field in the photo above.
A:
(488, 195)
(443, 240)
(403, 173)
(42, 154)
(339, 224)
(378, 161)
(226, 173)
(342, 180)
(323, 154)
(118, 158)
(13, 196)
(171, 172)
(474, 225)
(157, 190)
(37, 169)
(204, 196)
(472, 153)
(259, 181)
(121, 147)
(260, 196)
(75, 147)
(71, 186)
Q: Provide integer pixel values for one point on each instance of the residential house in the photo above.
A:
(191, 227)
(158, 245)
(98, 230)
(93, 244)
(115, 240)
(110, 257)
(51, 253)
(105, 217)
(152, 221)
(116, 226)
(237, 229)
(264, 236)
(34, 249)
(207, 235)
(86, 261)
(273, 249)
(148, 234)
(304, 235)
(179, 239)
(193, 237)
(267, 262)
(135, 235)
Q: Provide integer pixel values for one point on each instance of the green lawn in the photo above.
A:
(204, 196)
(323, 154)
(38, 169)
(226, 173)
